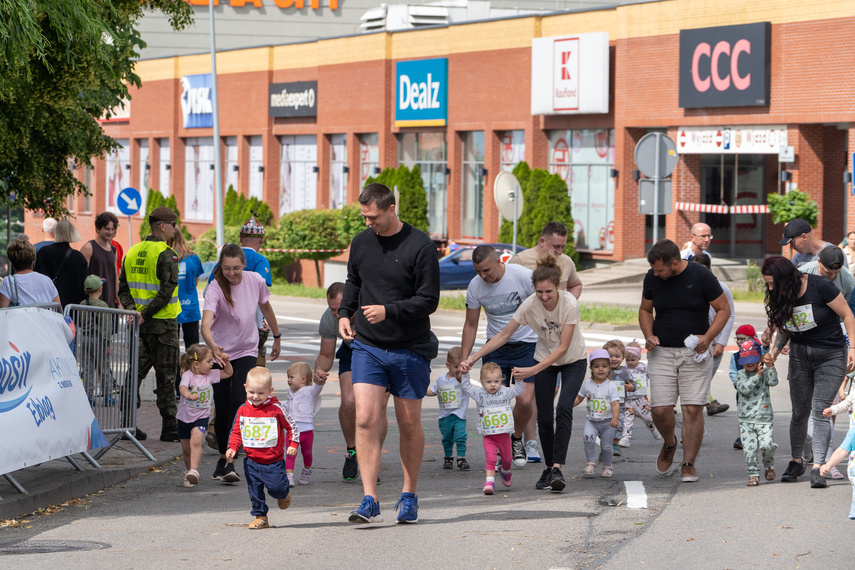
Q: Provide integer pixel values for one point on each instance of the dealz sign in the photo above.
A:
(726, 66)
(421, 93)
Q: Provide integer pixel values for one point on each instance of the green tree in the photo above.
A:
(64, 65)
(411, 193)
(155, 200)
(237, 209)
(794, 204)
(545, 199)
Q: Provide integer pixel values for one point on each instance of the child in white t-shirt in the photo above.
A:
(603, 412)
(200, 373)
(302, 403)
(636, 402)
(453, 402)
(495, 420)
(622, 380)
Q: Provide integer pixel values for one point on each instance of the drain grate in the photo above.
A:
(50, 546)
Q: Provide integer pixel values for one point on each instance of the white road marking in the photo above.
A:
(636, 497)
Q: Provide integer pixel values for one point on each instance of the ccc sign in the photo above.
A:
(725, 67)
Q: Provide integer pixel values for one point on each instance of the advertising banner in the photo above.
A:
(44, 411)
(759, 139)
(297, 99)
(570, 74)
(421, 93)
(197, 108)
(727, 66)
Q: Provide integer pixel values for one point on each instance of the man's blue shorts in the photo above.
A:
(344, 355)
(511, 355)
(405, 373)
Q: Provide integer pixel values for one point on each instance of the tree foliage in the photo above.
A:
(545, 199)
(156, 200)
(237, 209)
(413, 207)
(794, 204)
(64, 65)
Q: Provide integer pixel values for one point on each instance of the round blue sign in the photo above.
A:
(129, 201)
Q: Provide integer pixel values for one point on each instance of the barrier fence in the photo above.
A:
(107, 345)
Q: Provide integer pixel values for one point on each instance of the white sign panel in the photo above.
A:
(570, 74)
(118, 173)
(44, 411)
(761, 139)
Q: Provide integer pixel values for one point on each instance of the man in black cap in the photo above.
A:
(829, 264)
(799, 235)
(148, 284)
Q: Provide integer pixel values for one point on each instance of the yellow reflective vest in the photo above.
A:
(140, 266)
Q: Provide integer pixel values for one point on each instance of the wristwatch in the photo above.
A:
(277, 335)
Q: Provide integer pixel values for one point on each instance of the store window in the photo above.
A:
(472, 211)
(145, 171)
(256, 167)
(118, 173)
(165, 167)
(87, 196)
(298, 178)
(199, 179)
(513, 149)
(584, 159)
(71, 203)
(369, 157)
(428, 152)
(232, 169)
(338, 174)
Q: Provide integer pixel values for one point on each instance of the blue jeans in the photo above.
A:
(258, 476)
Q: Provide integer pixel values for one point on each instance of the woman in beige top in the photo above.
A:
(553, 315)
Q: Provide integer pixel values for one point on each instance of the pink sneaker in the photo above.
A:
(506, 477)
(488, 488)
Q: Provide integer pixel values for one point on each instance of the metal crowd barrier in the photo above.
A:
(107, 345)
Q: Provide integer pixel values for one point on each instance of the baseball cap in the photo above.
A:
(793, 229)
(93, 283)
(747, 330)
(599, 353)
(749, 352)
(163, 214)
(831, 257)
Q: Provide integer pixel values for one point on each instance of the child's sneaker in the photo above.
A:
(607, 472)
(462, 464)
(589, 469)
(770, 473)
(616, 452)
(624, 442)
(834, 473)
(368, 511)
(290, 479)
(259, 523)
(305, 475)
(506, 477)
(532, 455)
(656, 435)
(284, 503)
(488, 487)
(191, 478)
(409, 512)
(449, 463)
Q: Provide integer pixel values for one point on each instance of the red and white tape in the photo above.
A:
(721, 209)
(302, 250)
(755, 209)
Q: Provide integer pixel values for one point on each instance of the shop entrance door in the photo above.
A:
(740, 180)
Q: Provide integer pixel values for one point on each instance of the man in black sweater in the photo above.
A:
(392, 288)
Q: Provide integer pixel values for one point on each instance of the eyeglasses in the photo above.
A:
(703, 236)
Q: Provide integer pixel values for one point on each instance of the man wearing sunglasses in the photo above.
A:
(148, 284)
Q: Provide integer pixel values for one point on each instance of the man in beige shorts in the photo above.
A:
(681, 294)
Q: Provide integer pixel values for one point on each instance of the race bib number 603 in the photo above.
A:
(259, 432)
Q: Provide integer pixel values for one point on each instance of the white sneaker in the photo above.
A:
(656, 435)
(624, 442)
(305, 475)
(532, 455)
(290, 479)
(191, 478)
(835, 474)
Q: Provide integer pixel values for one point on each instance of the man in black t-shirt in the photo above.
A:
(681, 294)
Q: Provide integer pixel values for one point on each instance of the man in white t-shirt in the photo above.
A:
(699, 242)
(553, 239)
(500, 289)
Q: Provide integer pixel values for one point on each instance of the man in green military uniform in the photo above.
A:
(148, 284)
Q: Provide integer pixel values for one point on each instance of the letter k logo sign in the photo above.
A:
(565, 71)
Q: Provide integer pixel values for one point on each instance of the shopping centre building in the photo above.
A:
(757, 97)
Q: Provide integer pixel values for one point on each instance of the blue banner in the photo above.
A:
(197, 108)
(421, 93)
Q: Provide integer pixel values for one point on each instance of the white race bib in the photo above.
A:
(259, 432)
(802, 319)
(204, 400)
(598, 407)
(449, 397)
(497, 420)
(621, 389)
(640, 385)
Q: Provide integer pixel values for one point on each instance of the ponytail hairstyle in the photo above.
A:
(196, 353)
(229, 250)
(547, 270)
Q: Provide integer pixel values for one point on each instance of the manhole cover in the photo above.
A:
(48, 546)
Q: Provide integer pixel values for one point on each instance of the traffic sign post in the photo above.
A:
(656, 157)
(129, 201)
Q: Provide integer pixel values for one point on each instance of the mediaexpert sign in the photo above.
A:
(197, 108)
(296, 99)
(570, 74)
(421, 93)
(726, 66)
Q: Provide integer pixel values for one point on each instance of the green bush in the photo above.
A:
(155, 200)
(206, 245)
(545, 199)
(413, 205)
(237, 209)
(794, 204)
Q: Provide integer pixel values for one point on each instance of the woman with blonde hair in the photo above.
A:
(65, 266)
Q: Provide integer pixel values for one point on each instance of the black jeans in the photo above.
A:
(191, 333)
(555, 428)
(229, 395)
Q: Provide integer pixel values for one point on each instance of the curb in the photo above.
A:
(81, 484)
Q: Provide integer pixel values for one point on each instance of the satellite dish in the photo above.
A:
(507, 193)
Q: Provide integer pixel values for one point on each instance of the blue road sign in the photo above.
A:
(129, 201)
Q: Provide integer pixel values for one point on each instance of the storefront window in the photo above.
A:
(199, 179)
(369, 157)
(145, 171)
(428, 152)
(232, 168)
(472, 214)
(164, 167)
(338, 177)
(118, 173)
(87, 197)
(583, 159)
(513, 149)
(256, 167)
(298, 180)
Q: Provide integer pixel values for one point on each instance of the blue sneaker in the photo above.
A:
(368, 512)
(409, 504)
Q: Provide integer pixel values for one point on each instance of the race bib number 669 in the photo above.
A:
(497, 420)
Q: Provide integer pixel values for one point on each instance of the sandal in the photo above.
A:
(461, 464)
(607, 472)
(589, 469)
(753, 482)
(259, 523)
(770, 473)
(448, 464)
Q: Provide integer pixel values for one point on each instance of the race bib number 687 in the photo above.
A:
(259, 432)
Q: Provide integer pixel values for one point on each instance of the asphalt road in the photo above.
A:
(153, 521)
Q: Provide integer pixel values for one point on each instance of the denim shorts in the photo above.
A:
(403, 372)
(511, 355)
(185, 429)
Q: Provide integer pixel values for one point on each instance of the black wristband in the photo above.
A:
(277, 335)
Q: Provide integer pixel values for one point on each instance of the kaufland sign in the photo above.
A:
(421, 93)
(197, 109)
(570, 74)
